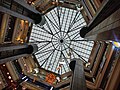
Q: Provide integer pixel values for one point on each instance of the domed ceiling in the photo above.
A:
(59, 40)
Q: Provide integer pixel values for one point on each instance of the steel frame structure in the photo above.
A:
(59, 40)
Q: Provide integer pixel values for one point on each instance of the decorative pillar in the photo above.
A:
(13, 52)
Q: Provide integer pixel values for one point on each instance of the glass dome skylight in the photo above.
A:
(59, 40)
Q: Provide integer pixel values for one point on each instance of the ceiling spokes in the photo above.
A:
(49, 59)
(58, 14)
(65, 21)
(44, 29)
(53, 23)
(59, 40)
(72, 20)
(56, 57)
(46, 59)
(42, 35)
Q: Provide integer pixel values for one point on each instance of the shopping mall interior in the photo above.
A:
(59, 45)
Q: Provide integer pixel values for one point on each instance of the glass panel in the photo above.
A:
(59, 40)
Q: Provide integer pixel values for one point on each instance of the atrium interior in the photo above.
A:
(59, 45)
